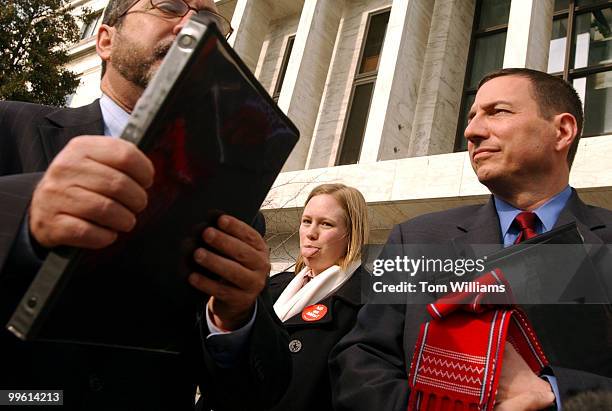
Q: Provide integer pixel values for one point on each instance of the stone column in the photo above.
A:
(250, 21)
(394, 98)
(529, 30)
(307, 71)
(437, 108)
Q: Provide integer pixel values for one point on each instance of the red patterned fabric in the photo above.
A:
(475, 302)
(458, 356)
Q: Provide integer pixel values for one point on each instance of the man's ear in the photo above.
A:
(567, 129)
(104, 41)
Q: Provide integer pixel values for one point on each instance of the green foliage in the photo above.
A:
(34, 37)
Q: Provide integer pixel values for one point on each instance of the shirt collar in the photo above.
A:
(115, 118)
(548, 213)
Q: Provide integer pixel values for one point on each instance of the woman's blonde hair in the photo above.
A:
(355, 217)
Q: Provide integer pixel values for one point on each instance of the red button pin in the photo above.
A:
(314, 312)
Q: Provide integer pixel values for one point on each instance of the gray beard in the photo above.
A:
(131, 62)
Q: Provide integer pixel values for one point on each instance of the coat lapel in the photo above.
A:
(587, 222)
(483, 226)
(588, 225)
(481, 229)
(63, 124)
(350, 292)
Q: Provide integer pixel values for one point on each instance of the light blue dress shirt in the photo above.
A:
(548, 214)
(114, 117)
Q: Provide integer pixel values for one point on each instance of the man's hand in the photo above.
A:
(91, 191)
(519, 387)
(244, 269)
(528, 401)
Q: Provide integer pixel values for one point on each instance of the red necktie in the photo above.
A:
(527, 224)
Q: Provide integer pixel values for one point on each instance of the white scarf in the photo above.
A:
(296, 296)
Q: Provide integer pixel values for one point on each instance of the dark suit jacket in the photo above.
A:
(310, 388)
(98, 378)
(369, 366)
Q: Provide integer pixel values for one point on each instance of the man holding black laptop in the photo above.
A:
(522, 135)
(66, 180)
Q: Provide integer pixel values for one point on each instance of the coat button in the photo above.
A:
(295, 346)
(95, 383)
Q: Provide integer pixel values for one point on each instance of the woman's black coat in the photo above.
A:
(311, 342)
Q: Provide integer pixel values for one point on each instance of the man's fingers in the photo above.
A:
(114, 184)
(93, 187)
(516, 377)
(244, 266)
(118, 154)
(71, 231)
(527, 401)
(243, 231)
(224, 292)
(96, 177)
(229, 270)
(236, 248)
(100, 210)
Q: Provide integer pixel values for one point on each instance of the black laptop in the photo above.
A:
(218, 142)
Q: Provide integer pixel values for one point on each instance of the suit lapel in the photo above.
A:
(481, 228)
(63, 124)
(586, 221)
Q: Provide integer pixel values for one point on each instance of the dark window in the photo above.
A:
(89, 26)
(374, 42)
(486, 54)
(561, 5)
(597, 91)
(558, 44)
(465, 109)
(363, 87)
(355, 126)
(283, 69)
(581, 3)
(586, 60)
(493, 13)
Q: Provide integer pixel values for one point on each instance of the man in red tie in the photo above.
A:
(522, 134)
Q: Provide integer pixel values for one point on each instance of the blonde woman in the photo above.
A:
(318, 303)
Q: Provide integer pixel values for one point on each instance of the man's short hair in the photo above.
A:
(112, 13)
(553, 96)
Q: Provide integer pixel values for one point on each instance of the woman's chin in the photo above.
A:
(309, 261)
(316, 267)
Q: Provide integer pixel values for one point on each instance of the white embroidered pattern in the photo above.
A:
(452, 364)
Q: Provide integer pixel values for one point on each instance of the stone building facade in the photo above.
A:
(379, 90)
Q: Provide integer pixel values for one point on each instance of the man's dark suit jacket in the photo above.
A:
(369, 366)
(98, 378)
